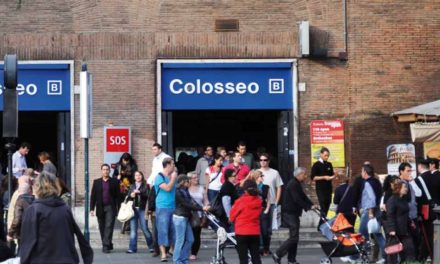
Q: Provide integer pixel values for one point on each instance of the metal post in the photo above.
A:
(436, 244)
(86, 195)
(10, 147)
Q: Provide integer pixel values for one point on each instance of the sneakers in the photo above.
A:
(130, 251)
(276, 259)
(380, 261)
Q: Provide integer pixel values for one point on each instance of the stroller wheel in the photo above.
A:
(365, 259)
(325, 260)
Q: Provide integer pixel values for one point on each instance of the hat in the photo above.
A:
(423, 161)
(182, 178)
(432, 160)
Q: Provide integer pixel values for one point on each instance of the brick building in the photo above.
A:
(387, 60)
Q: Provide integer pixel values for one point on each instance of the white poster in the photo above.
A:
(398, 153)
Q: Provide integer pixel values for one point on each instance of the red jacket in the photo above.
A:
(245, 214)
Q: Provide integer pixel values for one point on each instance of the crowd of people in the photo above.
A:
(170, 207)
(399, 209)
(174, 202)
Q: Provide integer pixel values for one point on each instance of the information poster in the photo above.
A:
(329, 134)
(398, 153)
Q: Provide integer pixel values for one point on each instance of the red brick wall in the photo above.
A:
(393, 59)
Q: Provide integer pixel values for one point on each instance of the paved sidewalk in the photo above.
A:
(118, 256)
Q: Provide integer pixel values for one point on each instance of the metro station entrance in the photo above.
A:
(221, 102)
(262, 130)
(44, 94)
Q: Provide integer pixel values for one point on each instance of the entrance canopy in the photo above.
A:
(424, 112)
(427, 131)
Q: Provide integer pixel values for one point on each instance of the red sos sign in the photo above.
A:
(118, 140)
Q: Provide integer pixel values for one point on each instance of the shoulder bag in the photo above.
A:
(126, 211)
(393, 246)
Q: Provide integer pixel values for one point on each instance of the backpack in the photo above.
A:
(152, 196)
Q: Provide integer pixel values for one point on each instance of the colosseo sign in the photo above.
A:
(41, 86)
(226, 85)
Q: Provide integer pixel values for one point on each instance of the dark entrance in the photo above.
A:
(268, 129)
(46, 131)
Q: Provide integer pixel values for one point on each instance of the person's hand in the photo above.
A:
(370, 216)
(413, 225)
(355, 211)
(133, 194)
(92, 213)
(266, 211)
(383, 207)
(315, 207)
(206, 208)
(392, 233)
(9, 238)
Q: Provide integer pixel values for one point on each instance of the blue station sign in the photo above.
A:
(41, 87)
(247, 85)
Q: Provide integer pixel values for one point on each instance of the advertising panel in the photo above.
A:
(431, 149)
(398, 153)
(329, 134)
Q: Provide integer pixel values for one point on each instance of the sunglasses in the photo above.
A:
(263, 159)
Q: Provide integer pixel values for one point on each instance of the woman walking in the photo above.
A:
(181, 217)
(213, 175)
(245, 214)
(48, 228)
(198, 194)
(138, 193)
(398, 222)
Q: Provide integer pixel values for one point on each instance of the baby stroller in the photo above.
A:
(341, 242)
(222, 238)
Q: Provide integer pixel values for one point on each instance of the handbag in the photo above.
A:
(195, 219)
(393, 246)
(126, 211)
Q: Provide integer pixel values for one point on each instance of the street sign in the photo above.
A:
(227, 85)
(41, 86)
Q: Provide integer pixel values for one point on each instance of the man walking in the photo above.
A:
(203, 163)
(164, 186)
(414, 191)
(159, 156)
(322, 174)
(19, 164)
(295, 201)
(104, 197)
(369, 199)
(272, 178)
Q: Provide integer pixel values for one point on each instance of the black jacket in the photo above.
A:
(96, 196)
(343, 205)
(184, 203)
(397, 215)
(141, 198)
(47, 234)
(358, 188)
(295, 200)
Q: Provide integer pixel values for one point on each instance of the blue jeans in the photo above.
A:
(184, 239)
(363, 229)
(266, 227)
(139, 217)
(164, 225)
(211, 195)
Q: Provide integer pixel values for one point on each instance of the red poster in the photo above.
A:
(324, 132)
